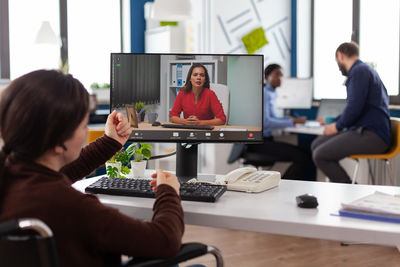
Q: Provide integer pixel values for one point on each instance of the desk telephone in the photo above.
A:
(248, 179)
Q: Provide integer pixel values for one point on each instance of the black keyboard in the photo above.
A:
(182, 126)
(141, 188)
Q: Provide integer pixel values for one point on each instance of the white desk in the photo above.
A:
(275, 212)
(300, 129)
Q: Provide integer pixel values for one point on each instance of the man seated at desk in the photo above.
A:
(300, 158)
(364, 125)
(199, 104)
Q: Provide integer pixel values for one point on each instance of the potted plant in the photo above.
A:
(140, 152)
(117, 165)
(140, 110)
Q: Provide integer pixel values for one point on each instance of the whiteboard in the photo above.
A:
(295, 93)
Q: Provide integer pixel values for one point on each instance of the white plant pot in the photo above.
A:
(138, 168)
(116, 164)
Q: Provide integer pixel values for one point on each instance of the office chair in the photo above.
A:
(391, 153)
(93, 135)
(30, 243)
(257, 159)
(222, 92)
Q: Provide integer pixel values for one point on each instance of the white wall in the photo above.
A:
(231, 20)
(243, 110)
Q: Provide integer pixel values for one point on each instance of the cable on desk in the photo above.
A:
(163, 156)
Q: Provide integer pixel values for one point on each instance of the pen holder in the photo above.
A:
(141, 116)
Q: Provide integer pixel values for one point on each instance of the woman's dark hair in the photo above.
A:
(188, 85)
(270, 68)
(39, 111)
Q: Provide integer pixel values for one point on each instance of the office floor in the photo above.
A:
(250, 249)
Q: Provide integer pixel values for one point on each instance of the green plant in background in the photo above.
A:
(98, 86)
(371, 64)
(139, 106)
(94, 86)
(139, 151)
(140, 110)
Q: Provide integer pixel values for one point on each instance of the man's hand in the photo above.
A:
(330, 129)
(321, 121)
(117, 127)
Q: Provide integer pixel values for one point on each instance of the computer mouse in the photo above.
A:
(307, 201)
(156, 123)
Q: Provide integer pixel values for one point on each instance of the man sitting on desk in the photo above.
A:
(199, 104)
(280, 151)
(364, 125)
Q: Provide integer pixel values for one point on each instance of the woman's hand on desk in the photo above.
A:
(117, 127)
(192, 120)
(163, 177)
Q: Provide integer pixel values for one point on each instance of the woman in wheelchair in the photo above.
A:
(43, 124)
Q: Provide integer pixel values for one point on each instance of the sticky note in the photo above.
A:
(168, 23)
(254, 40)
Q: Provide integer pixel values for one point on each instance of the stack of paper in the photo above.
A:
(377, 206)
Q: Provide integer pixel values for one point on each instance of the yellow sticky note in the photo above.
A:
(254, 40)
(168, 23)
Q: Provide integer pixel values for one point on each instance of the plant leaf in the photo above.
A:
(125, 170)
(146, 153)
(112, 172)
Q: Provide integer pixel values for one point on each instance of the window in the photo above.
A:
(26, 18)
(379, 39)
(93, 33)
(332, 26)
(378, 29)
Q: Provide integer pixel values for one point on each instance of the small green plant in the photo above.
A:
(123, 157)
(139, 151)
(112, 172)
(94, 86)
(98, 86)
(139, 106)
(135, 151)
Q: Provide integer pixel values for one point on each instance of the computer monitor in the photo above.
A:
(157, 79)
(295, 93)
(331, 108)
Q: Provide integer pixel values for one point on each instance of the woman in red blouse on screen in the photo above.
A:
(199, 104)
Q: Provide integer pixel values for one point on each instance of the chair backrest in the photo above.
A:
(222, 92)
(395, 146)
(27, 243)
(93, 135)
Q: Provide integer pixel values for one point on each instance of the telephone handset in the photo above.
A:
(248, 179)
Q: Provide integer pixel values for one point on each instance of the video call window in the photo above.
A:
(220, 95)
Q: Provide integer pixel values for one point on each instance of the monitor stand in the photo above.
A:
(186, 163)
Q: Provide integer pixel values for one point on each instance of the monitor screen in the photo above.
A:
(164, 104)
(295, 93)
